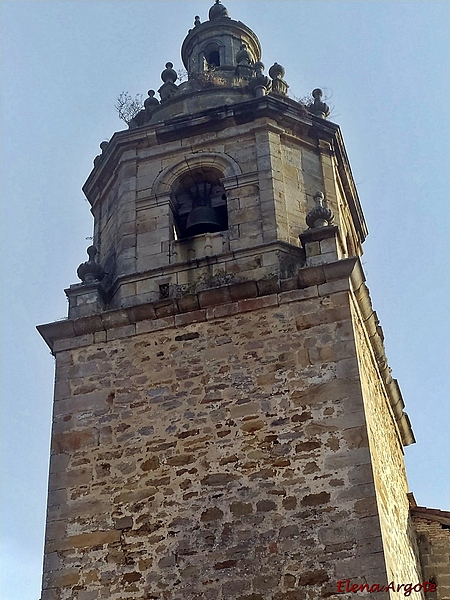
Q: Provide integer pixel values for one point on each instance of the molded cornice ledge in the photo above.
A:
(309, 282)
(215, 303)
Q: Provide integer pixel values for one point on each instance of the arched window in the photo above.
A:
(212, 55)
(199, 202)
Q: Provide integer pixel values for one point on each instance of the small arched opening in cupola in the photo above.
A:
(212, 55)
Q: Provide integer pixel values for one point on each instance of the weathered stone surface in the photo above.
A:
(225, 430)
(221, 430)
(87, 540)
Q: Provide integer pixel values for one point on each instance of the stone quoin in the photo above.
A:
(225, 424)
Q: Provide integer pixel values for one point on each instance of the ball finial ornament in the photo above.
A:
(169, 74)
(318, 107)
(218, 11)
(277, 71)
(320, 215)
(90, 271)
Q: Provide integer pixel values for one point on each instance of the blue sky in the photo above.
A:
(384, 66)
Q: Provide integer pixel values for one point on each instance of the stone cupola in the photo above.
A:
(216, 44)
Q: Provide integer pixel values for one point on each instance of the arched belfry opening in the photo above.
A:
(195, 188)
(199, 202)
(211, 55)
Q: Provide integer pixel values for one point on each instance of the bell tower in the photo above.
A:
(225, 422)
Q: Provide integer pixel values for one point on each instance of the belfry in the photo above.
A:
(225, 421)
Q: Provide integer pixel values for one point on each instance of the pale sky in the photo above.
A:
(384, 65)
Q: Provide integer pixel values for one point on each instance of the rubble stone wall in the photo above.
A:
(434, 547)
(221, 453)
(400, 547)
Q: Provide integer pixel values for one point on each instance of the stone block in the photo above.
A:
(146, 249)
(311, 276)
(271, 285)
(298, 295)
(50, 594)
(351, 458)
(145, 224)
(241, 410)
(115, 318)
(329, 246)
(188, 303)
(312, 249)
(191, 317)
(62, 390)
(237, 586)
(68, 442)
(88, 324)
(332, 287)
(320, 259)
(87, 540)
(224, 310)
(123, 523)
(289, 284)
(251, 229)
(214, 297)
(71, 478)
(324, 316)
(127, 266)
(62, 578)
(155, 325)
(99, 337)
(58, 463)
(258, 303)
(70, 343)
(246, 289)
(121, 332)
(141, 313)
(165, 308)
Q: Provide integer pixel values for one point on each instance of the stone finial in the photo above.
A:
(261, 83)
(243, 56)
(279, 86)
(90, 271)
(197, 21)
(150, 104)
(169, 75)
(168, 88)
(218, 11)
(319, 108)
(244, 61)
(320, 215)
(103, 147)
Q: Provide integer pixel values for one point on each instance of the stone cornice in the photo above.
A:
(431, 514)
(204, 261)
(311, 277)
(310, 282)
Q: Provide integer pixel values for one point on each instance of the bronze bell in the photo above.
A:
(203, 219)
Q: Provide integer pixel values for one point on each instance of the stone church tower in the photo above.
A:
(225, 422)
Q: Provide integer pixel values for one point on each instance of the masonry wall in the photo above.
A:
(221, 453)
(272, 176)
(434, 548)
(399, 541)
